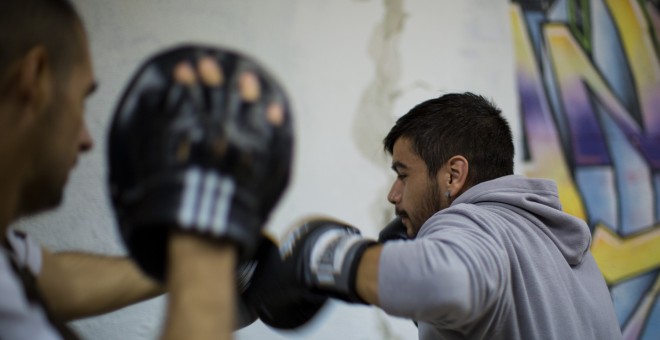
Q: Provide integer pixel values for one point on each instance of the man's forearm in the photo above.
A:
(77, 285)
(201, 287)
(367, 275)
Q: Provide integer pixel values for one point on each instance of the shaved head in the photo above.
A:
(45, 77)
(53, 24)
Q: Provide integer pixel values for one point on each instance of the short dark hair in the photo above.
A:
(25, 24)
(458, 124)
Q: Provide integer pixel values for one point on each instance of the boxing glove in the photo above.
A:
(395, 230)
(276, 296)
(211, 157)
(318, 259)
(246, 274)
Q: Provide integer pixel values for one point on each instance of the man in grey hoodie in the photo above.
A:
(490, 255)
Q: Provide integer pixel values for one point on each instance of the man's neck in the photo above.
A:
(10, 187)
(13, 163)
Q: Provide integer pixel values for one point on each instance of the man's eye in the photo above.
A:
(401, 176)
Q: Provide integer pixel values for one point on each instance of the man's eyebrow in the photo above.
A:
(396, 166)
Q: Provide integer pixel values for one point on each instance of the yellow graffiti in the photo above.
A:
(621, 258)
(638, 45)
(574, 68)
(547, 159)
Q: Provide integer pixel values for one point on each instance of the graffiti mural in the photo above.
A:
(588, 78)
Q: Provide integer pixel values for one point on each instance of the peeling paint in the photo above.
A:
(375, 113)
(374, 116)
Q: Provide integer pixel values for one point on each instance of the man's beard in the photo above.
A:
(430, 204)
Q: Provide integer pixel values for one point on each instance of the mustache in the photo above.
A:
(400, 213)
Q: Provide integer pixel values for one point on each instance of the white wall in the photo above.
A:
(347, 65)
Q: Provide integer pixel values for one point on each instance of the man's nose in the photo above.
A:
(394, 196)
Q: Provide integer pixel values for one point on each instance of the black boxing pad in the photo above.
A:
(208, 158)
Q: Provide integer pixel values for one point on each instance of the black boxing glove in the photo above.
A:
(276, 296)
(319, 259)
(207, 157)
(245, 277)
(245, 315)
(395, 230)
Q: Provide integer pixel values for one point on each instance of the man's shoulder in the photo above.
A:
(20, 317)
(26, 251)
(459, 217)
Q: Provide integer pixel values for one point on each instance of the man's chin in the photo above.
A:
(45, 200)
(44, 206)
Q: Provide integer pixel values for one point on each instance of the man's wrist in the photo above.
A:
(195, 256)
(201, 284)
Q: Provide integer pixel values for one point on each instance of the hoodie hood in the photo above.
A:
(539, 198)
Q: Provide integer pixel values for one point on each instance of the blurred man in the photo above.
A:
(45, 77)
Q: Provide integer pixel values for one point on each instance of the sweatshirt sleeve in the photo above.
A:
(26, 250)
(449, 275)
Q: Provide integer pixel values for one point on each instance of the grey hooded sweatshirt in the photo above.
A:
(502, 262)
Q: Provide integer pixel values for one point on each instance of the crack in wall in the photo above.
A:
(375, 113)
(374, 116)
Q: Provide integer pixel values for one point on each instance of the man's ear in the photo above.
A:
(456, 177)
(34, 79)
